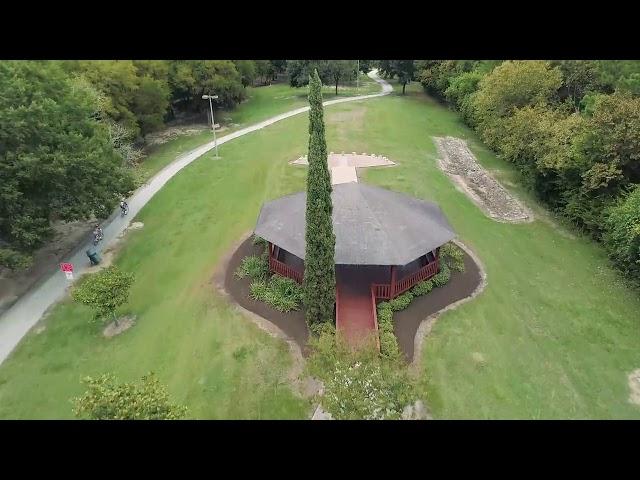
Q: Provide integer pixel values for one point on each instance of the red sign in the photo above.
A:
(66, 267)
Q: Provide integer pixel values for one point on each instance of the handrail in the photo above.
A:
(375, 317)
(285, 270)
(383, 290)
(337, 307)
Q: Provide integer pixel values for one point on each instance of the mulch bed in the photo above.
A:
(291, 323)
(406, 322)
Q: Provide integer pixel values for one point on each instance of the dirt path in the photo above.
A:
(25, 312)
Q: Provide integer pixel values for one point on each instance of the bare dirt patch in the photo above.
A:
(158, 138)
(124, 324)
(459, 163)
(634, 386)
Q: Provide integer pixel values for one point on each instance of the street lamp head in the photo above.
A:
(212, 97)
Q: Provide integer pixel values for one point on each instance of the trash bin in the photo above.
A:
(93, 257)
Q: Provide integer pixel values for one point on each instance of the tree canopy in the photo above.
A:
(319, 271)
(106, 399)
(56, 157)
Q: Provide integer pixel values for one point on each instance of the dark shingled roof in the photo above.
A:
(373, 226)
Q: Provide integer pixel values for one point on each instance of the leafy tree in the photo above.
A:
(56, 158)
(118, 80)
(105, 292)
(299, 71)
(247, 70)
(150, 103)
(622, 232)
(278, 67)
(265, 71)
(613, 136)
(366, 66)
(340, 70)
(190, 79)
(515, 84)
(578, 78)
(403, 69)
(105, 399)
(319, 274)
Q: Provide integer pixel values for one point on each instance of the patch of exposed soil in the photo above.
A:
(124, 324)
(158, 138)
(459, 163)
(634, 386)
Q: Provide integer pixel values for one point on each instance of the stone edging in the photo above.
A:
(427, 324)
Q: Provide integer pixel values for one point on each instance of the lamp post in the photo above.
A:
(358, 76)
(213, 122)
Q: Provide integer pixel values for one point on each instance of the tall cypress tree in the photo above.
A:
(319, 271)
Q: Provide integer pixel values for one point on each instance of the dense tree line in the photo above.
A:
(572, 128)
(330, 72)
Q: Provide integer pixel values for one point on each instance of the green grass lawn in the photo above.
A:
(261, 103)
(557, 329)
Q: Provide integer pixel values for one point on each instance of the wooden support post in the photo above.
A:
(393, 281)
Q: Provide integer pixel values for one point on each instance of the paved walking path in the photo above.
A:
(25, 313)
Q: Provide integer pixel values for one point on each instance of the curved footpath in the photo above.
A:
(25, 313)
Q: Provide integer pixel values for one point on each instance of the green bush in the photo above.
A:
(622, 234)
(258, 290)
(401, 302)
(453, 256)
(281, 293)
(254, 267)
(422, 288)
(389, 345)
(14, 260)
(441, 279)
(385, 318)
(259, 241)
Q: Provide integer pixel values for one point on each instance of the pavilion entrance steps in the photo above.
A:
(355, 316)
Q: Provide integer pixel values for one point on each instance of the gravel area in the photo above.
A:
(457, 161)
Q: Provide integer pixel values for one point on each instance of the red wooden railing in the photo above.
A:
(285, 270)
(375, 317)
(410, 280)
(337, 308)
(383, 290)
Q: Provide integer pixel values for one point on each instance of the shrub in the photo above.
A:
(284, 294)
(105, 399)
(385, 318)
(622, 234)
(401, 302)
(389, 345)
(254, 267)
(441, 279)
(259, 241)
(14, 260)
(422, 288)
(366, 389)
(258, 290)
(453, 256)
